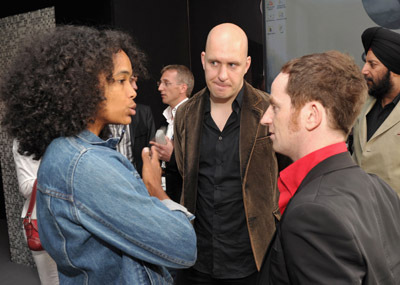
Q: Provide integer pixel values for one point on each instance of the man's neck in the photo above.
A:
(395, 90)
(317, 140)
(220, 113)
(389, 98)
(221, 109)
(177, 102)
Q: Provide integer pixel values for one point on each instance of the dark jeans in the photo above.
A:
(193, 277)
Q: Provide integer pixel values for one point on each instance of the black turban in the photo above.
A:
(385, 44)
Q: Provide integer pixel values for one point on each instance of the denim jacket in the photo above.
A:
(98, 222)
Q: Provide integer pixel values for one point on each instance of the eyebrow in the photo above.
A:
(212, 60)
(122, 72)
(372, 61)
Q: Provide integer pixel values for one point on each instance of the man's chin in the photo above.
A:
(221, 95)
(275, 147)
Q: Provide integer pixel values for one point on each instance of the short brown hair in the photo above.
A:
(184, 76)
(331, 78)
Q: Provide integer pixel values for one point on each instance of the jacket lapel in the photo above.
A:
(194, 117)
(132, 130)
(390, 121)
(335, 162)
(363, 121)
(251, 113)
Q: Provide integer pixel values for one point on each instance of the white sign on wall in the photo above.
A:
(294, 28)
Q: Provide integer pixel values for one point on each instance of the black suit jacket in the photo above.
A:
(341, 227)
(173, 178)
(142, 130)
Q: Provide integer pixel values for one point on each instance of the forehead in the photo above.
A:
(278, 88)
(122, 62)
(169, 74)
(372, 57)
(371, 54)
(226, 48)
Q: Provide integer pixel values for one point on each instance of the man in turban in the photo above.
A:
(376, 133)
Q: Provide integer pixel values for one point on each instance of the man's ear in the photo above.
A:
(183, 88)
(395, 75)
(203, 60)
(248, 63)
(313, 113)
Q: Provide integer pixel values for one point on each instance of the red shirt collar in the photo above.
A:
(291, 177)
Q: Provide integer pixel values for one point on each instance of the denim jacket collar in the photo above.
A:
(92, 139)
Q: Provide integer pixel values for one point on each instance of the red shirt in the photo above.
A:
(291, 177)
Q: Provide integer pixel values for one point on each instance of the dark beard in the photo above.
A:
(380, 89)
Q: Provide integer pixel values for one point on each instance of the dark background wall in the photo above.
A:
(170, 32)
(161, 29)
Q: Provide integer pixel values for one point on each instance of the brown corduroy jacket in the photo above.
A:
(258, 163)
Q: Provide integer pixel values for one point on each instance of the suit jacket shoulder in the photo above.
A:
(338, 229)
(142, 130)
(380, 154)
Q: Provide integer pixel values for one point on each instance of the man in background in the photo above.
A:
(176, 85)
(376, 133)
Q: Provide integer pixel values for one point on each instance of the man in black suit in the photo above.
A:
(175, 85)
(339, 225)
(141, 130)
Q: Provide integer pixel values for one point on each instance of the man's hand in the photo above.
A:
(151, 173)
(164, 150)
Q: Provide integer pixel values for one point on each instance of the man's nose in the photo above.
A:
(267, 118)
(365, 69)
(222, 73)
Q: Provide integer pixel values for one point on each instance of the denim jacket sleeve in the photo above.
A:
(111, 201)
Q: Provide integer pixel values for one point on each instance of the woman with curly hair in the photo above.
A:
(96, 218)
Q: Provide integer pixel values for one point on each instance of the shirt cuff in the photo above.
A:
(173, 206)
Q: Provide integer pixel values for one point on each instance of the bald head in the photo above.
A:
(225, 62)
(228, 33)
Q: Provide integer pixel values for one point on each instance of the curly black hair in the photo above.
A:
(52, 88)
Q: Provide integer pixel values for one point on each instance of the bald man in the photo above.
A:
(228, 166)
(376, 133)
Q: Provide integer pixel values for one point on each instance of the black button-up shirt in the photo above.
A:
(378, 114)
(223, 241)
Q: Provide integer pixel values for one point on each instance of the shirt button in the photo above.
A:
(220, 138)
